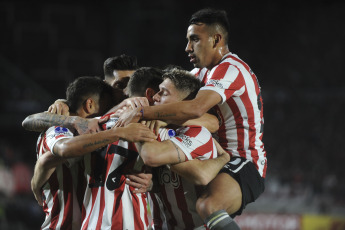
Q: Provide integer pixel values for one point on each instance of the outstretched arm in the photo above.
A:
(41, 121)
(174, 113)
(81, 145)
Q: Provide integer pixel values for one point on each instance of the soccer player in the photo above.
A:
(232, 88)
(61, 204)
(177, 194)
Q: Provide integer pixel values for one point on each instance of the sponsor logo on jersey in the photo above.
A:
(216, 83)
(186, 140)
(168, 177)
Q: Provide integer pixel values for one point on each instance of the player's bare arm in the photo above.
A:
(174, 113)
(209, 121)
(44, 168)
(81, 145)
(201, 172)
(41, 121)
(157, 153)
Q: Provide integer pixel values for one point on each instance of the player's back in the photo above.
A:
(61, 204)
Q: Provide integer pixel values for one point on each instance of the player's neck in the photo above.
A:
(219, 55)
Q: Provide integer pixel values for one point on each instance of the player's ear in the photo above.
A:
(149, 95)
(216, 39)
(89, 105)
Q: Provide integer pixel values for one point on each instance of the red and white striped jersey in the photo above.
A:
(241, 108)
(109, 203)
(174, 206)
(64, 187)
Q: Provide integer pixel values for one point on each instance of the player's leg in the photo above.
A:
(238, 184)
(223, 195)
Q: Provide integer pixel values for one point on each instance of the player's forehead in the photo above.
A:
(118, 74)
(197, 30)
(167, 85)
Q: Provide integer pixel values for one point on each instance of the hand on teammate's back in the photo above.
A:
(59, 107)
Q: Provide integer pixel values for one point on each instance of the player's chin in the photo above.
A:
(197, 65)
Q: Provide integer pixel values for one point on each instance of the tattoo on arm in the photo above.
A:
(82, 125)
(178, 153)
(46, 120)
(101, 142)
(164, 115)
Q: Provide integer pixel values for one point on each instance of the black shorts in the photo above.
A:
(248, 177)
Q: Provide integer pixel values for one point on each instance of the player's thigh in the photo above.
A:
(223, 192)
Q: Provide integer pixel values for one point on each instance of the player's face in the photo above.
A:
(118, 75)
(167, 93)
(200, 46)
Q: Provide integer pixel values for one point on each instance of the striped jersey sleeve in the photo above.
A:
(196, 142)
(55, 134)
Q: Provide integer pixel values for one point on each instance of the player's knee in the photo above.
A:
(206, 206)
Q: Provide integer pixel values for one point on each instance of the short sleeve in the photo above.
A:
(196, 142)
(226, 80)
(56, 133)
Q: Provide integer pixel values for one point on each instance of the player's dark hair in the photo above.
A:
(170, 67)
(84, 87)
(184, 81)
(122, 62)
(212, 17)
(143, 78)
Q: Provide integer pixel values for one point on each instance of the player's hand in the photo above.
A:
(129, 116)
(119, 112)
(59, 107)
(85, 126)
(154, 125)
(142, 182)
(37, 193)
(136, 102)
(135, 132)
(221, 152)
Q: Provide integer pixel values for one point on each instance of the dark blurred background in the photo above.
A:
(296, 49)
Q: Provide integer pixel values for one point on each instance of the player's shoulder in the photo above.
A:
(199, 71)
(57, 130)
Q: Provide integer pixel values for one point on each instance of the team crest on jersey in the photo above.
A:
(61, 130)
(168, 177)
(216, 83)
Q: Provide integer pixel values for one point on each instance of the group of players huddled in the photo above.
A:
(187, 145)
